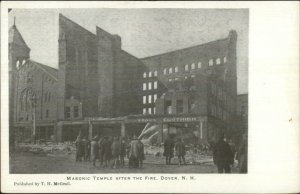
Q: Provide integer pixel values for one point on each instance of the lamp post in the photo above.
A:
(34, 102)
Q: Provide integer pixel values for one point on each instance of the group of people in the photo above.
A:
(224, 154)
(110, 151)
(180, 150)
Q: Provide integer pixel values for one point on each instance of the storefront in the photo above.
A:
(44, 131)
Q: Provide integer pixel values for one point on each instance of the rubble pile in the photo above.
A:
(154, 150)
(194, 155)
(48, 148)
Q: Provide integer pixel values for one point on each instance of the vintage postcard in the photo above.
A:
(118, 95)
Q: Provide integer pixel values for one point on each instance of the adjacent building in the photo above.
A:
(100, 87)
(242, 114)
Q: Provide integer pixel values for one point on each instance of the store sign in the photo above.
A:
(181, 119)
(164, 120)
(147, 120)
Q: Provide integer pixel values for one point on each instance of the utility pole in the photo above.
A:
(34, 102)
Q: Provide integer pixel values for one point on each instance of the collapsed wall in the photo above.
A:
(150, 133)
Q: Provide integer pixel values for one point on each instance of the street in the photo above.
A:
(30, 163)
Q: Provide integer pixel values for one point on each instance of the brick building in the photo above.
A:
(242, 113)
(100, 87)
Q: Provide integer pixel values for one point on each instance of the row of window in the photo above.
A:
(149, 99)
(187, 67)
(176, 78)
(211, 62)
(218, 92)
(192, 66)
(170, 70)
(19, 63)
(179, 107)
(150, 85)
(149, 111)
(218, 112)
(150, 74)
(68, 112)
(47, 115)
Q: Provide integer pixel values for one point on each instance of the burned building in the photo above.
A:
(98, 86)
(200, 80)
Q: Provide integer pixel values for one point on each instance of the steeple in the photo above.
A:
(18, 49)
(15, 37)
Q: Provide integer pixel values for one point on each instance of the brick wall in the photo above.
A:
(78, 76)
(33, 79)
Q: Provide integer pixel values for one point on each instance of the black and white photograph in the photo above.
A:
(128, 90)
(150, 97)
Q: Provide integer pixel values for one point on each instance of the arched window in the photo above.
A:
(150, 99)
(170, 70)
(144, 75)
(18, 64)
(150, 74)
(224, 60)
(199, 65)
(150, 86)
(155, 73)
(186, 67)
(155, 85)
(144, 111)
(176, 69)
(193, 66)
(23, 101)
(211, 62)
(154, 97)
(218, 61)
(165, 71)
(149, 111)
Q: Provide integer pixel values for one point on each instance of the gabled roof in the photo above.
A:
(14, 36)
(52, 72)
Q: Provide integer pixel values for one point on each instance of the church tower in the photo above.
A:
(18, 49)
(18, 53)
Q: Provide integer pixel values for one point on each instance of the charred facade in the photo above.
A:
(97, 79)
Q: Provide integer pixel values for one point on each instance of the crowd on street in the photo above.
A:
(110, 152)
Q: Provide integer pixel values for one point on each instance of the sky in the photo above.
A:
(144, 32)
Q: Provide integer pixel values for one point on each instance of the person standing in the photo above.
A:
(94, 150)
(180, 151)
(106, 151)
(169, 149)
(87, 149)
(79, 148)
(123, 152)
(222, 156)
(141, 154)
(134, 153)
(116, 151)
(101, 150)
(242, 155)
